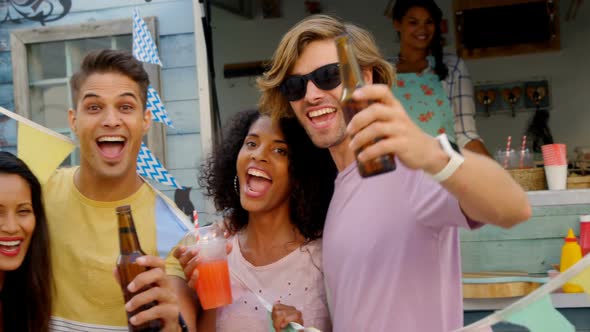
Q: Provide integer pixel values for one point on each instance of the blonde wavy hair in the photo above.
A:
(313, 28)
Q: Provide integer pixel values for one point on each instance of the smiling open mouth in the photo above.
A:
(322, 115)
(111, 146)
(258, 182)
(10, 248)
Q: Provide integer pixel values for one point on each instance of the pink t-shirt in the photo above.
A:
(295, 280)
(391, 253)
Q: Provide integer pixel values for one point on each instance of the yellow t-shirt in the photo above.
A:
(84, 249)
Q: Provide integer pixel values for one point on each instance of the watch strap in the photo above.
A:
(455, 160)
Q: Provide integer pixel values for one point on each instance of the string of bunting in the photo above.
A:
(40, 147)
(154, 104)
(145, 50)
(150, 167)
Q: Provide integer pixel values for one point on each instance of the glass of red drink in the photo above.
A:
(213, 286)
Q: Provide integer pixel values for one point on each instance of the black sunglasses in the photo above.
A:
(326, 78)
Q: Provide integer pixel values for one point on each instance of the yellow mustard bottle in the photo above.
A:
(571, 253)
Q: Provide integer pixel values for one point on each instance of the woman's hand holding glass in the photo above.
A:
(188, 258)
(188, 254)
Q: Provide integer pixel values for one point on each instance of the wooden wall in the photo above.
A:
(531, 246)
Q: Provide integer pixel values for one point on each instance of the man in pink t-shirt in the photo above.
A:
(391, 245)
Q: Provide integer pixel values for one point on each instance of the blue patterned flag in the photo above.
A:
(144, 48)
(150, 167)
(154, 104)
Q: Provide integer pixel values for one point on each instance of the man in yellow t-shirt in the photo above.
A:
(110, 120)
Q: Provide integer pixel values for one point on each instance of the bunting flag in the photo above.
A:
(150, 167)
(171, 225)
(535, 311)
(154, 104)
(41, 148)
(144, 48)
(541, 316)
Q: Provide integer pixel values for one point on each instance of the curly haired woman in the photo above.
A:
(274, 187)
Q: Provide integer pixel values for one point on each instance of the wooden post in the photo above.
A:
(202, 69)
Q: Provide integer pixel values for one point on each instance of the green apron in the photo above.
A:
(426, 102)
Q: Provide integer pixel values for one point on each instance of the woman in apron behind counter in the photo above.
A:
(435, 88)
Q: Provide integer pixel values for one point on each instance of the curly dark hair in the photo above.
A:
(311, 171)
(400, 9)
(26, 295)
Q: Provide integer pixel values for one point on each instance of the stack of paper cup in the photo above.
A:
(585, 234)
(555, 160)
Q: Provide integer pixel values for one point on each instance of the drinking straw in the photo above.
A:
(522, 148)
(196, 219)
(507, 152)
(196, 223)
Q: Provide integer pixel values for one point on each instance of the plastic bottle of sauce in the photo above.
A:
(570, 254)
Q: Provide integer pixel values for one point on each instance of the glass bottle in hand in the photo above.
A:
(352, 79)
(128, 269)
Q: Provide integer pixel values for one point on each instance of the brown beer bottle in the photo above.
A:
(352, 79)
(130, 250)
